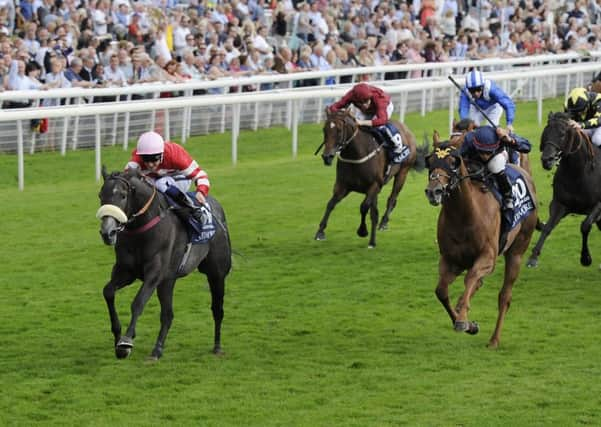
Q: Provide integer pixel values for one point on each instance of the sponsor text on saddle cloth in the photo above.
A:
(522, 199)
(198, 232)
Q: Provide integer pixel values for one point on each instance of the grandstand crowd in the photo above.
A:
(99, 43)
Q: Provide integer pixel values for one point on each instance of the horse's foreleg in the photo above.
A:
(165, 296)
(445, 278)
(585, 229)
(369, 204)
(473, 281)
(512, 270)
(399, 181)
(556, 212)
(217, 285)
(339, 194)
(119, 279)
(153, 278)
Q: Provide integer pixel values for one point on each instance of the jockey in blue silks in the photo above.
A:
(487, 145)
(489, 97)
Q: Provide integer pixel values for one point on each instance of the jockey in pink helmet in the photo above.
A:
(171, 169)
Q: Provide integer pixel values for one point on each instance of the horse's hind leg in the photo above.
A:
(556, 212)
(512, 270)
(585, 229)
(217, 285)
(165, 295)
(399, 181)
(339, 194)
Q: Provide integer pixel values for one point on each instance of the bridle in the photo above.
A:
(570, 149)
(345, 133)
(452, 176)
(141, 211)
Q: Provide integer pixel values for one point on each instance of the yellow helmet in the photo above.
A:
(577, 100)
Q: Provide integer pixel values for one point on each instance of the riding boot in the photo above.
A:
(394, 142)
(188, 206)
(506, 190)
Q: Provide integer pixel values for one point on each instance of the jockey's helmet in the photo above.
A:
(150, 143)
(577, 100)
(361, 92)
(484, 138)
(474, 80)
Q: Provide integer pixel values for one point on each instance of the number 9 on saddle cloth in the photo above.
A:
(390, 136)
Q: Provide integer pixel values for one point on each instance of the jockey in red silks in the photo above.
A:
(171, 169)
(374, 110)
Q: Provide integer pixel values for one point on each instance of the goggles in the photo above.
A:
(150, 158)
(475, 89)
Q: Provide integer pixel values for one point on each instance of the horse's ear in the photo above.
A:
(454, 125)
(456, 163)
(471, 126)
(427, 160)
(550, 115)
(436, 138)
(105, 174)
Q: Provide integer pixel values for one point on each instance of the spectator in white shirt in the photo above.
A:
(113, 75)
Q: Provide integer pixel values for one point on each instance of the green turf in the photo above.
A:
(315, 333)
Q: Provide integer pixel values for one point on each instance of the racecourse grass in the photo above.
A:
(315, 333)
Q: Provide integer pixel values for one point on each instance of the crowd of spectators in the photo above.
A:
(99, 43)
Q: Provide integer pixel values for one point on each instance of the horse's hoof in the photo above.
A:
(152, 359)
(461, 326)
(586, 260)
(320, 235)
(362, 232)
(532, 262)
(370, 246)
(124, 347)
(217, 351)
(383, 226)
(473, 329)
(493, 344)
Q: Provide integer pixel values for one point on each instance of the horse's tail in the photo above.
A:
(421, 151)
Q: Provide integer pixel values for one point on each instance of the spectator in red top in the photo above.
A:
(374, 111)
(172, 170)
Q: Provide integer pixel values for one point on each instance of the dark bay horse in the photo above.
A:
(361, 167)
(576, 183)
(151, 245)
(468, 237)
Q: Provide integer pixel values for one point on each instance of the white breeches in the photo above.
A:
(595, 135)
(497, 162)
(167, 181)
(493, 112)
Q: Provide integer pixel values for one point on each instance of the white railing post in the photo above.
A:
(97, 150)
(451, 108)
(20, 160)
(126, 126)
(539, 100)
(294, 128)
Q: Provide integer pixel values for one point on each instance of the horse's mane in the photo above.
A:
(575, 135)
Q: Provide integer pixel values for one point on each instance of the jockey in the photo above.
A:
(172, 170)
(584, 109)
(375, 110)
(489, 97)
(486, 145)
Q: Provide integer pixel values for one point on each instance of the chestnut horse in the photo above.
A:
(469, 225)
(361, 167)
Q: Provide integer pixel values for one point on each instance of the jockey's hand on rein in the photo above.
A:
(574, 124)
(200, 197)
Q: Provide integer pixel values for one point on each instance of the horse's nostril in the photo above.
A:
(438, 192)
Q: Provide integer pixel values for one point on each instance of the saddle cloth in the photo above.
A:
(522, 199)
(197, 232)
(390, 133)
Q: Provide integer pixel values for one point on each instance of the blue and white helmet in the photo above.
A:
(474, 79)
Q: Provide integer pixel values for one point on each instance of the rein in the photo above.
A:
(154, 221)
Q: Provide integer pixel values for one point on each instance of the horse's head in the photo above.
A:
(117, 202)
(338, 131)
(443, 172)
(554, 139)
